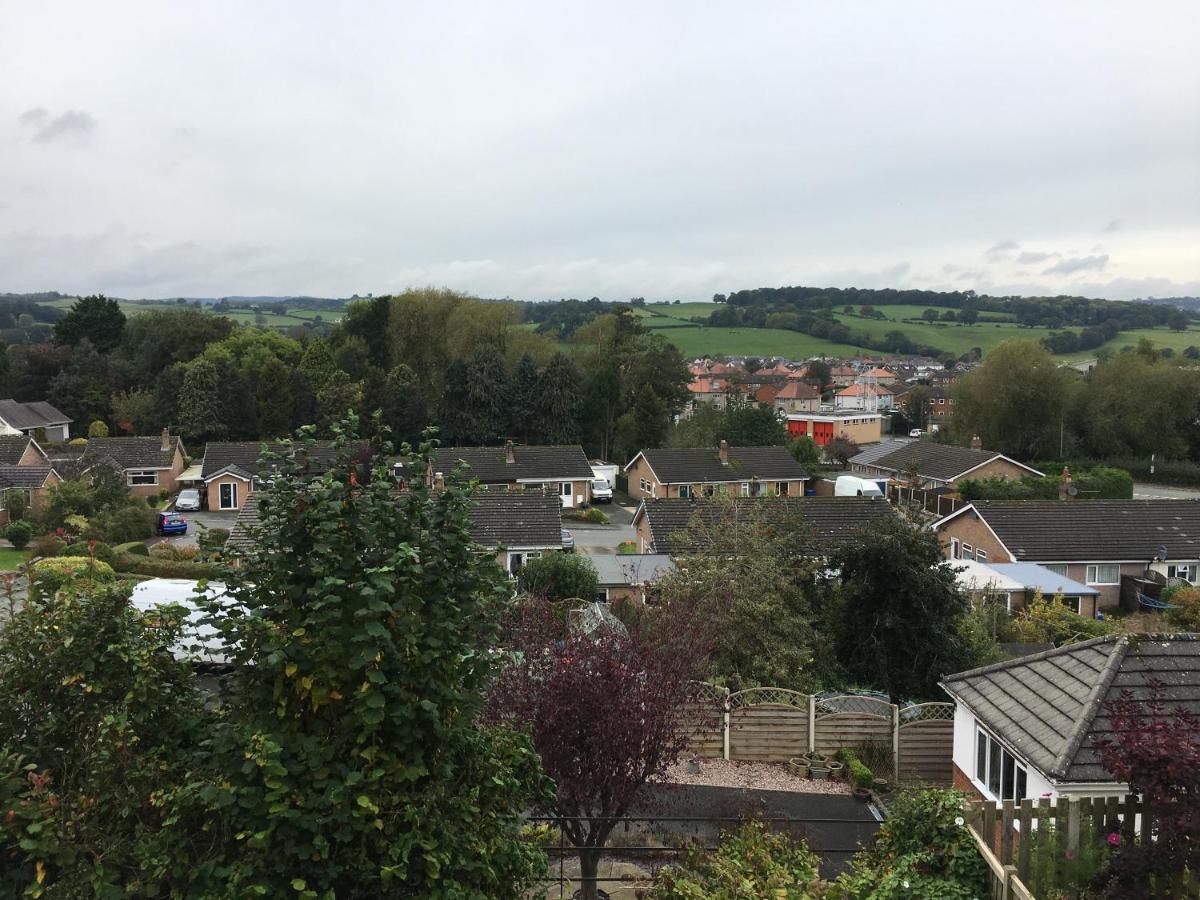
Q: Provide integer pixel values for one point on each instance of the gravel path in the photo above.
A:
(759, 776)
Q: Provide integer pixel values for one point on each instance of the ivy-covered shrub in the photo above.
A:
(750, 862)
(51, 575)
(166, 568)
(923, 850)
(19, 533)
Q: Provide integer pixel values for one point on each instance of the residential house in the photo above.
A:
(149, 465)
(842, 376)
(930, 465)
(691, 472)
(560, 469)
(824, 426)
(1096, 542)
(628, 577)
(941, 405)
(667, 526)
(765, 395)
(230, 470)
(1032, 726)
(707, 389)
(25, 467)
(27, 418)
(1016, 584)
(797, 396)
(865, 396)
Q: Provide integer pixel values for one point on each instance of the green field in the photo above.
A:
(278, 316)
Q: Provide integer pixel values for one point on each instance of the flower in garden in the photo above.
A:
(958, 821)
(1114, 839)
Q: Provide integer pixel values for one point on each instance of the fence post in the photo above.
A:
(895, 742)
(725, 726)
(1072, 826)
(812, 723)
(1010, 872)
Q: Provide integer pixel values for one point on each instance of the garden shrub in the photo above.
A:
(137, 548)
(129, 523)
(17, 504)
(1050, 621)
(19, 533)
(167, 550)
(595, 516)
(50, 575)
(47, 545)
(1186, 617)
(923, 850)
(98, 549)
(166, 568)
(750, 862)
(856, 770)
(212, 540)
(559, 576)
(1055, 873)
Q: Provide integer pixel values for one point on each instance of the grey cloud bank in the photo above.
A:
(540, 151)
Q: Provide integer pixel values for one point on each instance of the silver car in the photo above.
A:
(188, 500)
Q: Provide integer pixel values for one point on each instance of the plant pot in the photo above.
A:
(798, 766)
(836, 770)
(862, 794)
(882, 786)
(819, 772)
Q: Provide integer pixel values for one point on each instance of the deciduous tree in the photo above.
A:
(97, 318)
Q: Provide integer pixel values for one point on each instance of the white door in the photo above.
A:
(568, 495)
(229, 494)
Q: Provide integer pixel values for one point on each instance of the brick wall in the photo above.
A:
(969, 529)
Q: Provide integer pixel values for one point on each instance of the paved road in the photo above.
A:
(1162, 492)
(597, 539)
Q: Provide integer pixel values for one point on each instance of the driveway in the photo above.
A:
(594, 539)
(1163, 492)
(207, 518)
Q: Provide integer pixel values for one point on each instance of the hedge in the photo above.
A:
(1099, 483)
(166, 568)
(51, 574)
(137, 548)
(101, 550)
(856, 770)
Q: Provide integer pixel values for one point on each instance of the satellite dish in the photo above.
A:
(1072, 490)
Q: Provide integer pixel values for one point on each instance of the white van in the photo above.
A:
(853, 486)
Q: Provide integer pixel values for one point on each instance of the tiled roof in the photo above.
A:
(1094, 530)
(497, 518)
(25, 416)
(12, 448)
(766, 394)
(631, 569)
(131, 452)
(24, 476)
(829, 520)
(706, 385)
(490, 465)
(859, 389)
(1050, 706)
(945, 462)
(244, 455)
(703, 464)
(868, 455)
(798, 390)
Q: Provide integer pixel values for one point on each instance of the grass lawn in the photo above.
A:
(10, 559)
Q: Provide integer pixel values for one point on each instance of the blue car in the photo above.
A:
(171, 523)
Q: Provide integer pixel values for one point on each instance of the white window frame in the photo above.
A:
(1173, 571)
(955, 545)
(1059, 569)
(968, 552)
(566, 489)
(745, 489)
(1093, 573)
(132, 476)
(1073, 602)
(996, 749)
(980, 554)
(233, 488)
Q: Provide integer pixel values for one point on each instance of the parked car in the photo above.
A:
(568, 540)
(915, 433)
(188, 499)
(171, 523)
(601, 492)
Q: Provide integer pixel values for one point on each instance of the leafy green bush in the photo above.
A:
(1054, 872)
(1099, 483)
(559, 576)
(137, 548)
(17, 504)
(212, 540)
(50, 575)
(167, 550)
(1050, 621)
(128, 523)
(750, 862)
(47, 545)
(923, 850)
(166, 568)
(856, 770)
(1186, 616)
(99, 550)
(595, 516)
(19, 533)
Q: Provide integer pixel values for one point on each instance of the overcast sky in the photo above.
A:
(546, 150)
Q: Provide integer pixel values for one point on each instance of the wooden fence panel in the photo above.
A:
(851, 729)
(704, 721)
(768, 732)
(927, 749)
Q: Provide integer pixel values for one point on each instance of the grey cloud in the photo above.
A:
(74, 123)
(1114, 225)
(1001, 250)
(1030, 257)
(972, 276)
(1078, 264)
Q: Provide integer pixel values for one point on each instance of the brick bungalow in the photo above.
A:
(1094, 542)
(935, 465)
(25, 467)
(148, 464)
(27, 418)
(230, 469)
(690, 472)
(561, 469)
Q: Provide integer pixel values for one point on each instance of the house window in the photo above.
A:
(685, 490)
(954, 548)
(997, 771)
(1071, 603)
(745, 490)
(227, 496)
(644, 485)
(981, 554)
(1104, 574)
(566, 489)
(135, 477)
(1057, 570)
(1187, 573)
(967, 551)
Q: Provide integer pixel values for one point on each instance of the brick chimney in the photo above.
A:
(1064, 485)
(976, 443)
(508, 453)
(166, 441)
(723, 452)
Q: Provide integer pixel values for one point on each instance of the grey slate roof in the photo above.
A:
(944, 462)
(26, 477)
(12, 448)
(517, 519)
(869, 454)
(703, 464)
(829, 520)
(490, 465)
(131, 452)
(1049, 707)
(1095, 530)
(244, 455)
(498, 518)
(25, 416)
(631, 569)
